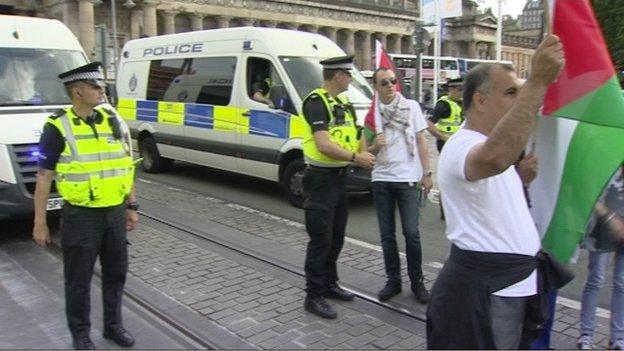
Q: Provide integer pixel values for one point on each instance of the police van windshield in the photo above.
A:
(29, 76)
(306, 75)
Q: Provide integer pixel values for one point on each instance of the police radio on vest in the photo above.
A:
(173, 49)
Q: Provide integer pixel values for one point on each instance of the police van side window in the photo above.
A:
(206, 80)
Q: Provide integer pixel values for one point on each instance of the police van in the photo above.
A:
(33, 51)
(192, 97)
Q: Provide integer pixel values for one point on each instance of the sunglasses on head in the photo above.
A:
(387, 81)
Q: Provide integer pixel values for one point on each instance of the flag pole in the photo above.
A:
(545, 30)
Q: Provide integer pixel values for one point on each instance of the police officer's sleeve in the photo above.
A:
(315, 114)
(441, 110)
(51, 145)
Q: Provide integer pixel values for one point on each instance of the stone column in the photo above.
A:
(86, 26)
(135, 23)
(394, 44)
(223, 21)
(348, 44)
(197, 21)
(269, 24)
(149, 18)
(310, 28)
(492, 51)
(330, 32)
(247, 22)
(169, 18)
(382, 38)
(407, 47)
(472, 49)
(364, 58)
(290, 25)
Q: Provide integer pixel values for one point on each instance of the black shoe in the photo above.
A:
(389, 290)
(120, 336)
(83, 343)
(336, 292)
(319, 307)
(420, 291)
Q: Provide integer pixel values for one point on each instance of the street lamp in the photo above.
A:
(128, 4)
(420, 40)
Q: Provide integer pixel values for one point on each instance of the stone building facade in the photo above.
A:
(353, 24)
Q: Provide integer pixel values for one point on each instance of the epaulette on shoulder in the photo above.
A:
(58, 113)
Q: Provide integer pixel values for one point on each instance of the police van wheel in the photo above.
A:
(152, 162)
(293, 182)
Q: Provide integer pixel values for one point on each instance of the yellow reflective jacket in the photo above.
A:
(93, 170)
(342, 131)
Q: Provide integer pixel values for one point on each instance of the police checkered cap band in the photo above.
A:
(94, 75)
(343, 65)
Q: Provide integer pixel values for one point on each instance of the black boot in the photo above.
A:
(391, 289)
(420, 291)
(120, 336)
(336, 292)
(83, 342)
(319, 307)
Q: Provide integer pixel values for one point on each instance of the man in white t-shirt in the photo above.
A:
(487, 217)
(400, 177)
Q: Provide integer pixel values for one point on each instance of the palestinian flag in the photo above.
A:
(582, 149)
(372, 121)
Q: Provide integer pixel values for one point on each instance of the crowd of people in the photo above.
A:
(497, 288)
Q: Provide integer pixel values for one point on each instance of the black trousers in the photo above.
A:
(85, 234)
(326, 219)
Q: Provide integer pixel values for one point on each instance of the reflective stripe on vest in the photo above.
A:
(451, 123)
(344, 134)
(92, 171)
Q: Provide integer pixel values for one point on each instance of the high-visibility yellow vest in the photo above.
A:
(343, 132)
(451, 123)
(92, 171)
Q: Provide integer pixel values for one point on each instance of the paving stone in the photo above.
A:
(383, 330)
(411, 342)
(362, 340)
(265, 335)
(359, 329)
(335, 340)
(265, 325)
(311, 338)
(387, 341)
(221, 314)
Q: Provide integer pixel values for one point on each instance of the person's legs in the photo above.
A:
(340, 215)
(543, 340)
(507, 319)
(114, 262)
(81, 239)
(617, 298)
(409, 203)
(595, 278)
(385, 201)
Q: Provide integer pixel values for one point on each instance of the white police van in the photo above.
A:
(33, 51)
(190, 96)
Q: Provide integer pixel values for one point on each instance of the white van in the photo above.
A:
(189, 96)
(33, 51)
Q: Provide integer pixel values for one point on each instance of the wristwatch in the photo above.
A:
(427, 173)
(133, 206)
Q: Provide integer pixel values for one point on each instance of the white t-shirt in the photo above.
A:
(394, 162)
(487, 215)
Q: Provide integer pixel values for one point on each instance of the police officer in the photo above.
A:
(447, 114)
(85, 149)
(331, 142)
(447, 117)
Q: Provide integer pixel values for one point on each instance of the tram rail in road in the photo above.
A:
(187, 337)
(275, 263)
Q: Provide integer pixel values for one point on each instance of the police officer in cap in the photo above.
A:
(447, 114)
(332, 141)
(447, 117)
(84, 149)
